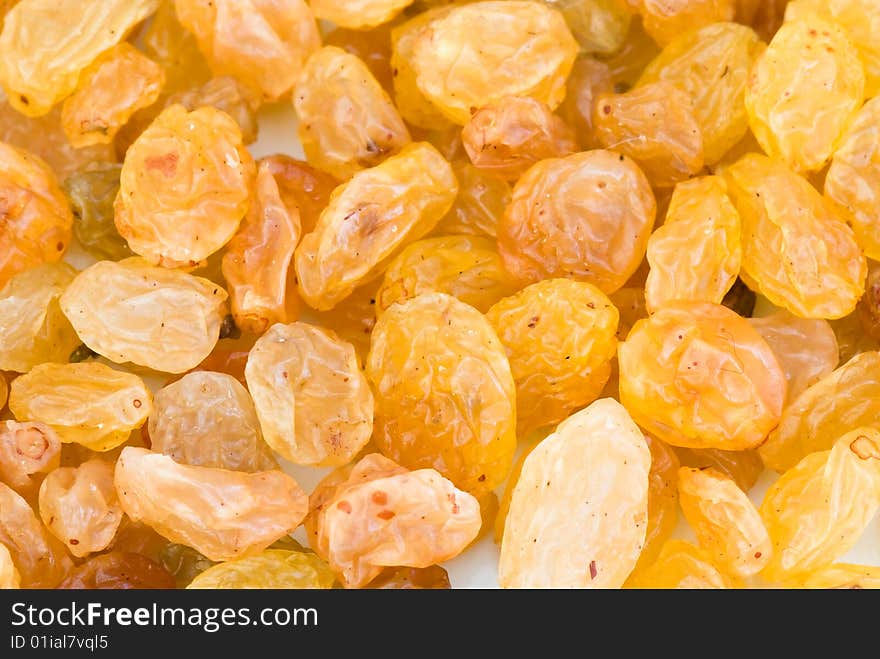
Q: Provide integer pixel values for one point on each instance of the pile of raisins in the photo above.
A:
(561, 269)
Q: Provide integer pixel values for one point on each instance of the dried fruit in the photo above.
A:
(382, 515)
(32, 328)
(838, 403)
(258, 263)
(358, 14)
(369, 219)
(9, 577)
(118, 571)
(227, 94)
(184, 186)
(711, 65)
(44, 137)
(664, 20)
(444, 393)
(176, 49)
(110, 90)
(851, 336)
(599, 26)
(314, 403)
(662, 501)
(627, 64)
(373, 47)
(482, 198)
(208, 419)
(726, 523)
(853, 180)
(301, 185)
(38, 556)
(531, 55)
(803, 92)
(347, 122)
(411, 578)
(511, 134)
(743, 467)
(222, 514)
(806, 349)
(588, 79)
(466, 267)
(842, 575)
(696, 255)
(655, 125)
(45, 45)
(682, 565)
(568, 530)
(272, 568)
(861, 21)
(409, 99)
(868, 309)
(818, 509)
(92, 191)
(585, 217)
(137, 538)
(698, 375)
(88, 403)
(797, 251)
(765, 16)
(354, 320)
(559, 336)
(184, 563)
(155, 317)
(260, 42)
(28, 451)
(80, 507)
(35, 217)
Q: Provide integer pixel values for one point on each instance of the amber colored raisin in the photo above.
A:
(263, 44)
(411, 578)
(118, 571)
(797, 251)
(184, 186)
(347, 122)
(509, 135)
(696, 255)
(666, 19)
(819, 508)
(532, 54)
(564, 530)
(853, 180)
(371, 46)
(725, 521)
(841, 401)
(585, 217)
(482, 198)
(654, 125)
(711, 65)
(466, 267)
(744, 467)
(369, 219)
(35, 217)
(803, 91)
(444, 392)
(559, 336)
(697, 375)
(258, 263)
(588, 79)
(110, 90)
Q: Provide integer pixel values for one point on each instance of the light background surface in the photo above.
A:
(477, 567)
